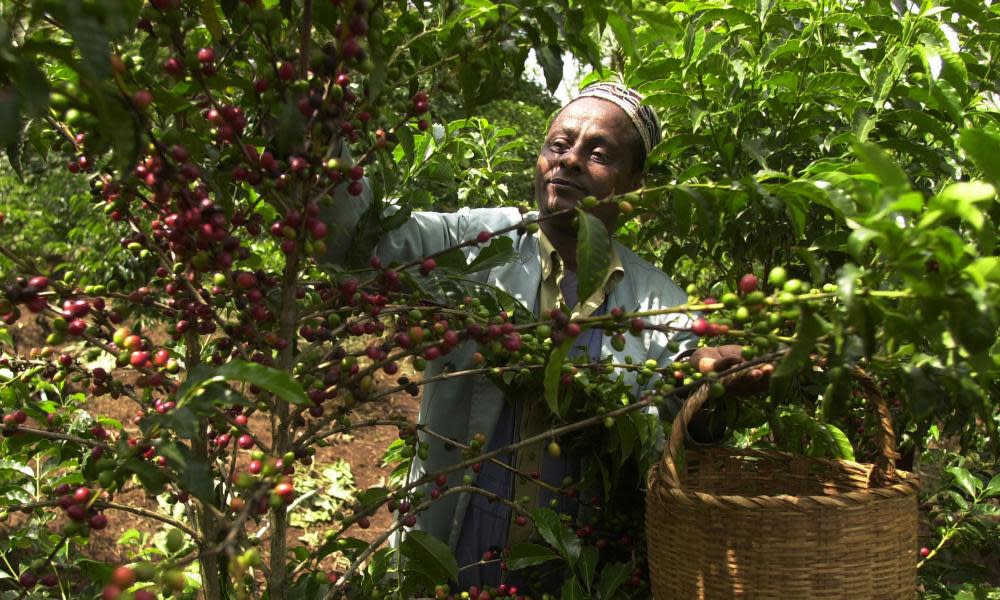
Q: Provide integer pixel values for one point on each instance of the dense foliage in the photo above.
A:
(844, 152)
(773, 113)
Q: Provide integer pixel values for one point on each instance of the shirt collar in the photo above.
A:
(552, 264)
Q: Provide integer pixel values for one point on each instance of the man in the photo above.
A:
(596, 146)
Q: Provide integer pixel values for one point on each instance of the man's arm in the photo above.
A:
(422, 234)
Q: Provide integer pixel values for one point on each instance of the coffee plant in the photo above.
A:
(825, 189)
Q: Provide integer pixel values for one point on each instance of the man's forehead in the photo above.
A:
(590, 115)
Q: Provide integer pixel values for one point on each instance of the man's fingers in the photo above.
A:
(704, 352)
(716, 359)
(731, 351)
(727, 362)
(706, 365)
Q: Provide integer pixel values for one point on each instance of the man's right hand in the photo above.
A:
(717, 359)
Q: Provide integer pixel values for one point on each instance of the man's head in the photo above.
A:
(596, 146)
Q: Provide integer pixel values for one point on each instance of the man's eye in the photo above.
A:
(601, 157)
(557, 146)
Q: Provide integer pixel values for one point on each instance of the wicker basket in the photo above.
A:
(752, 524)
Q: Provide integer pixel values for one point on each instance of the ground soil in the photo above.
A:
(363, 450)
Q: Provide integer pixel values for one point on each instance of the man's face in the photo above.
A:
(587, 152)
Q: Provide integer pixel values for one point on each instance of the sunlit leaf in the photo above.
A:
(426, 554)
(593, 254)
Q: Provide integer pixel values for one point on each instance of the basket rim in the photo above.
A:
(907, 485)
(780, 455)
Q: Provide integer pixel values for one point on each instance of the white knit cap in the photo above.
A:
(643, 117)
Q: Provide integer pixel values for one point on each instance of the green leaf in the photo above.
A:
(858, 241)
(612, 577)
(552, 530)
(33, 86)
(14, 466)
(882, 166)
(371, 497)
(846, 282)
(808, 331)
(593, 254)
(949, 101)
(395, 220)
(16, 494)
(379, 563)
(588, 565)
(968, 191)
(623, 33)
(306, 587)
(969, 483)
(841, 445)
(430, 556)
(153, 479)
(729, 16)
(626, 434)
(350, 547)
(572, 590)
(959, 199)
(326, 15)
(93, 570)
(16, 158)
(10, 118)
(821, 440)
(453, 260)
(921, 390)
(406, 143)
(984, 270)
(972, 327)
(834, 82)
(993, 488)
(277, 382)
(925, 122)
(193, 474)
(379, 73)
(553, 375)
(291, 127)
(550, 58)
(984, 149)
(92, 41)
(211, 20)
(469, 78)
(181, 420)
(529, 555)
(500, 251)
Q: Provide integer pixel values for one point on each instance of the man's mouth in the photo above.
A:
(559, 181)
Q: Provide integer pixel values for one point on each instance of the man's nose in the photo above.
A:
(570, 159)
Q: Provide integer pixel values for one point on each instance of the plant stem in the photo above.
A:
(281, 423)
(385, 535)
(53, 435)
(207, 522)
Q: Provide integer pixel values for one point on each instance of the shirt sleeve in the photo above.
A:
(422, 234)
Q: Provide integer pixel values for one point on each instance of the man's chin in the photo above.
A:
(561, 222)
(563, 202)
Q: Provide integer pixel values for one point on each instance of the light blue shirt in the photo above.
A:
(457, 408)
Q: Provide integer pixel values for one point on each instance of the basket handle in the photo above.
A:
(885, 467)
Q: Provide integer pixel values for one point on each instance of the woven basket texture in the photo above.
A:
(763, 524)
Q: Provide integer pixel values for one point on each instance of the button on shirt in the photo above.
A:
(490, 525)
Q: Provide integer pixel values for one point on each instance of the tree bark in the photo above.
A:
(281, 433)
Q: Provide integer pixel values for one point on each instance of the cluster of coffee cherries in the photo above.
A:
(500, 592)
(26, 292)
